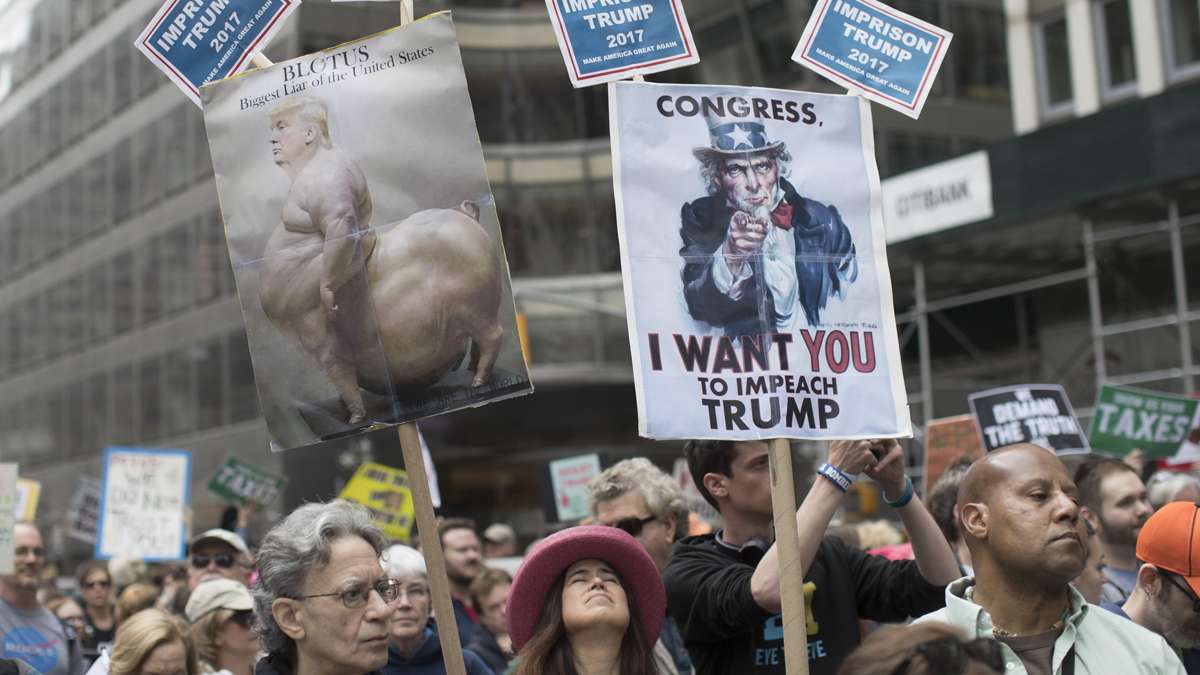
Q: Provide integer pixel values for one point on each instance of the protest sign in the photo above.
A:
(1028, 413)
(143, 503)
(1126, 419)
(604, 41)
(385, 492)
(8, 505)
(380, 295)
(569, 478)
(791, 335)
(886, 55)
(83, 511)
(946, 440)
(239, 482)
(198, 41)
(29, 492)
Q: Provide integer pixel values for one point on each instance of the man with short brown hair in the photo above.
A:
(464, 562)
(489, 598)
(1114, 501)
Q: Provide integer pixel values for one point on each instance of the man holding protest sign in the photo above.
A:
(28, 631)
(724, 589)
(755, 251)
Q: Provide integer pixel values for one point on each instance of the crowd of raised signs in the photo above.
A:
(1013, 562)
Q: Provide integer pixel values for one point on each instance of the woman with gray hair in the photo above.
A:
(1171, 486)
(322, 600)
(415, 647)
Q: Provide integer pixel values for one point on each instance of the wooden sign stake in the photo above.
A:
(791, 574)
(431, 548)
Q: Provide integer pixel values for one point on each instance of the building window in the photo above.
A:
(1114, 40)
(1054, 64)
(1182, 18)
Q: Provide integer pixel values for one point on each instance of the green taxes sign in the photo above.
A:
(1126, 419)
(240, 483)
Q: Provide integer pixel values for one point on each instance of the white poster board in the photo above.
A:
(143, 504)
(8, 499)
(570, 477)
(791, 336)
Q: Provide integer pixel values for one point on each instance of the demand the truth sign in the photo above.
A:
(1028, 413)
(1128, 419)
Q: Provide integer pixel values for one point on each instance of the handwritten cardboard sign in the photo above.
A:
(144, 498)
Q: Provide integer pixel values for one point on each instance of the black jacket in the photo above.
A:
(727, 633)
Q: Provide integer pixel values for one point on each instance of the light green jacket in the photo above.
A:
(1105, 644)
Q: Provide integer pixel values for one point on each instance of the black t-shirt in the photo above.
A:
(727, 633)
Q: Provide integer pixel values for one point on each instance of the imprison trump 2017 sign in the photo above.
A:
(199, 41)
(605, 40)
(756, 279)
(864, 45)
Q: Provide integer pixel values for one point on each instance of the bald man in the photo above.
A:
(1020, 520)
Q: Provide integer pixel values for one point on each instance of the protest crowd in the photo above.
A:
(1019, 564)
(375, 292)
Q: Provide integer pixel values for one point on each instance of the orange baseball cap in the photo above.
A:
(1170, 539)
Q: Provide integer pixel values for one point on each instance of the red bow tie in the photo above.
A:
(782, 215)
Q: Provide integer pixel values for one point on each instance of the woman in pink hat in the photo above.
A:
(586, 601)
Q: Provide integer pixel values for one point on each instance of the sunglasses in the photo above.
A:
(632, 525)
(243, 618)
(98, 584)
(950, 655)
(1182, 588)
(223, 560)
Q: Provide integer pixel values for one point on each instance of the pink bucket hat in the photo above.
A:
(554, 554)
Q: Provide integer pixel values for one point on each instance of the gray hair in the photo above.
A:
(1164, 485)
(657, 488)
(713, 165)
(297, 546)
(401, 561)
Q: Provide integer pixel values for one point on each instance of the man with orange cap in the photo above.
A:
(1166, 597)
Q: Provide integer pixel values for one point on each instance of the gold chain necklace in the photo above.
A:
(969, 595)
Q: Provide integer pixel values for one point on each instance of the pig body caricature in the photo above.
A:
(363, 236)
(383, 310)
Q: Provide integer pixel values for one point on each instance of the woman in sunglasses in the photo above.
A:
(587, 600)
(930, 648)
(221, 614)
(100, 623)
(322, 601)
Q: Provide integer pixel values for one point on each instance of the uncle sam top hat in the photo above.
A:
(729, 136)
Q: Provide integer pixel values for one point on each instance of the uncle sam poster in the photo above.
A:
(753, 253)
(364, 236)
